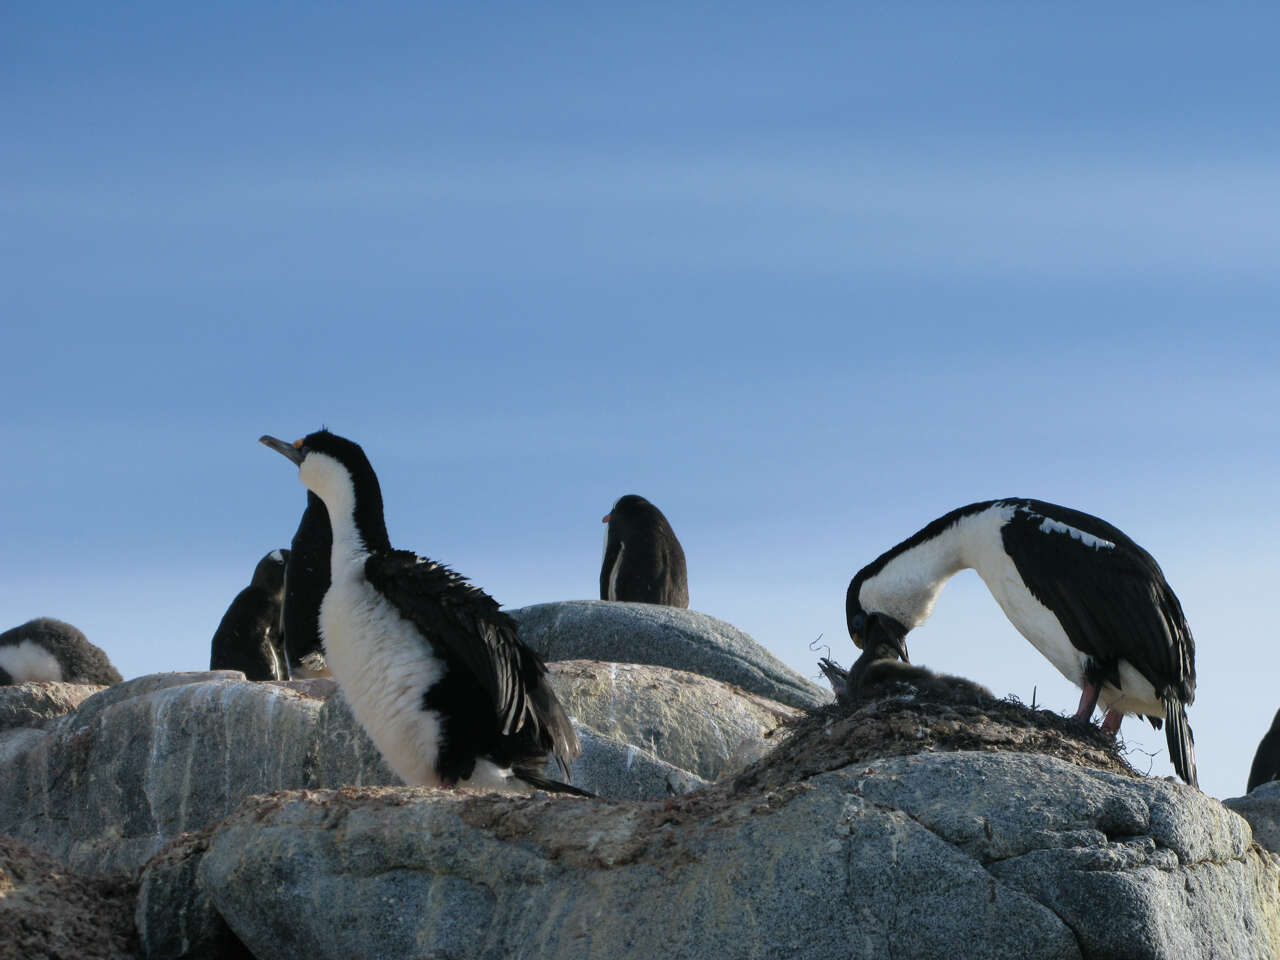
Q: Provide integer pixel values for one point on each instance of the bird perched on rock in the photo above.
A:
(249, 637)
(52, 650)
(432, 668)
(1266, 761)
(643, 560)
(306, 580)
(1087, 597)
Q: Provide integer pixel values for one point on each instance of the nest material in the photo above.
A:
(908, 721)
(48, 911)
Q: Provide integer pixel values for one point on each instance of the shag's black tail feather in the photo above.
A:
(551, 786)
(1182, 743)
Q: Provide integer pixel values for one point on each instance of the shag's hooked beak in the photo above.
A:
(293, 451)
(887, 637)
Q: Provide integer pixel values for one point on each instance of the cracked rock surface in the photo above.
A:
(257, 820)
(104, 787)
(1000, 854)
(991, 853)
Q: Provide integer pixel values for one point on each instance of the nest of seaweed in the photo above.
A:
(906, 720)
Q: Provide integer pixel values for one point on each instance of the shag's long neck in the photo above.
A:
(354, 505)
(905, 581)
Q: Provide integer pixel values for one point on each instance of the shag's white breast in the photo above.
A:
(985, 552)
(384, 668)
(30, 661)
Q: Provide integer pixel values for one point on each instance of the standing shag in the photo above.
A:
(248, 638)
(1087, 597)
(52, 650)
(306, 579)
(432, 668)
(643, 560)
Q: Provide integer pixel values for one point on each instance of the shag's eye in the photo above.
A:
(858, 623)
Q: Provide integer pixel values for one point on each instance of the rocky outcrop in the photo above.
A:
(662, 636)
(105, 787)
(996, 854)
(260, 821)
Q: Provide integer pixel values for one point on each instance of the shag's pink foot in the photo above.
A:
(1088, 700)
(1111, 722)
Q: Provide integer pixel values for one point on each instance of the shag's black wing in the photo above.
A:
(675, 589)
(1112, 600)
(473, 634)
(653, 571)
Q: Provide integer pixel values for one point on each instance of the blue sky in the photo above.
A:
(805, 279)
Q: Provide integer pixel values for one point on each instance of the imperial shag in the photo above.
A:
(643, 560)
(1087, 597)
(432, 668)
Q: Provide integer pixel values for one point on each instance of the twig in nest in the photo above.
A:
(814, 647)
(1124, 750)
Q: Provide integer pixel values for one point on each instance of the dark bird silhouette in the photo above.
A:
(643, 560)
(306, 580)
(1266, 761)
(249, 637)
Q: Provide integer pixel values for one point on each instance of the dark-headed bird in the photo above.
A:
(643, 560)
(1087, 597)
(249, 637)
(433, 670)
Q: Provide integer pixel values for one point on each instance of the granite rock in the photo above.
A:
(106, 786)
(1261, 807)
(662, 636)
(1006, 854)
(704, 726)
(34, 704)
